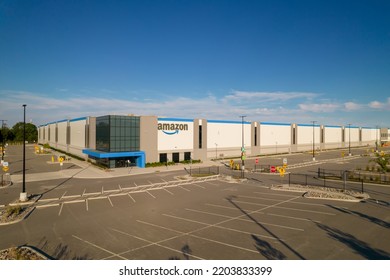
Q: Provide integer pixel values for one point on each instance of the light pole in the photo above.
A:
(242, 146)
(349, 139)
(23, 194)
(314, 157)
(3, 140)
(216, 151)
(376, 141)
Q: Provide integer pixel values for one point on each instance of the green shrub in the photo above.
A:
(13, 211)
(157, 164)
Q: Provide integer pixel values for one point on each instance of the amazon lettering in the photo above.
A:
(172, 126)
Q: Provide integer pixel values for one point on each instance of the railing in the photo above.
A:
(203, 171)
(327, 181)
(357, 176)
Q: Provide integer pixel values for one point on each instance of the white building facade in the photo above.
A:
(157, 139)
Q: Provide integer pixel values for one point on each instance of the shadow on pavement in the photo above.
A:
(262, 246)
(359, 246)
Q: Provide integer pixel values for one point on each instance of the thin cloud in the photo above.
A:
(269, 96)
(352, 106)
(376, 105)
(320, 108)
(42, 109)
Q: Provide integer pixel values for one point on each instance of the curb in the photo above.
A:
(27, 213)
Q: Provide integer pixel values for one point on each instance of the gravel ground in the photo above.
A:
(19, 253)
(324, 193)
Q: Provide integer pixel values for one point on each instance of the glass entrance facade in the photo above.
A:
(117, 137)
(117, 133)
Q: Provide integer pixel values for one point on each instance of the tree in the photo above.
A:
(31, 132)
(383, 160)
(5, 134)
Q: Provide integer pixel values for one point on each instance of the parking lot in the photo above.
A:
(158, 216)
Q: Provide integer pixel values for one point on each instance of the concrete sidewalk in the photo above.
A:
(89, 171)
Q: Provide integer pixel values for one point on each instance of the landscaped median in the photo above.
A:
(21, 253)
(323, 193)
(17, 211)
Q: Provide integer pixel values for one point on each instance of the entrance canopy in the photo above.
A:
(138, 155)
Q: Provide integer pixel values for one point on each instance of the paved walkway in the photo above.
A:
(89, 171)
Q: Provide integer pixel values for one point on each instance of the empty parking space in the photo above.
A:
(207, 220)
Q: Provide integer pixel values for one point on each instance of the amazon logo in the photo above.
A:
(172, 128)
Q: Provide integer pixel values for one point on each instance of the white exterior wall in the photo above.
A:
(52, 130)
(224, 138)
(332, 134)
(227, 135)
(305, 134)
(168, 140)
(270, 134)
(275, 138)
(62, 132)
(40, 134)
(370, 135)
(77, 133)
(46, 140)
(333, 137)
(354, 136)
(305, 137)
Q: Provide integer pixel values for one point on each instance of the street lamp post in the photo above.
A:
(3, 140)
(23, 194)
(242, 146)
(314, 157)
(216, 151)
(349, 139)
(376, 139)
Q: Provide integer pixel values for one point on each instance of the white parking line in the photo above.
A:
(221, 227)
(151, 194)
(168, 191)
(110, 201)
(47, 205)
(74, 201)
(287, 208)
(97, 197)
(293, 218)
(196, 185)
(244, 220)
(59, 213)
(101, 248)
(94, 193)
(275, 194)
(63, 194)
(207, 182)
(116, 194)
(272, 199)
(131, 197)
(49, 199)
(152, 244)
(86, 204)
(71, 196)
(184, 189)
(204, 238)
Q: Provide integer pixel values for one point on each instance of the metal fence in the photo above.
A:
(203, 171)
(356, 176)
(327, 182)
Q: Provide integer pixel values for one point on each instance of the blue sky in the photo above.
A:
(273, 61)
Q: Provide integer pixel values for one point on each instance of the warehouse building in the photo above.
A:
(117, 141)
